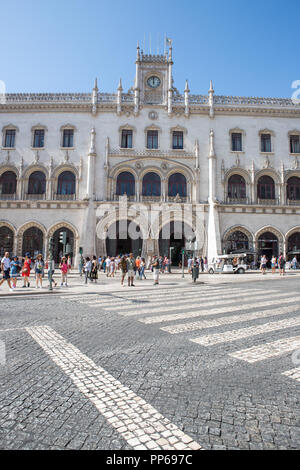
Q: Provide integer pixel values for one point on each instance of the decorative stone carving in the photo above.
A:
(7, 158)
(138, 165)
(153, 115)
(296, 163)
(164, 166)
(267, 162)
(66, 157)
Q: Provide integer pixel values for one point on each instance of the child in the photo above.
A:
(64, 271)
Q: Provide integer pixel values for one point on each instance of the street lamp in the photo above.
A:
(51, 249)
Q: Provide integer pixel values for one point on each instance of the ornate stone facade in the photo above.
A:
(222, 190)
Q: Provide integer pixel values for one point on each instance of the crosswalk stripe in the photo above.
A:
(199, 325)
(268, 350)
(234, 335)
(293, 374)
(176, 298)
(103, 296)
(157, 301)
(214, 311)
(141, 425)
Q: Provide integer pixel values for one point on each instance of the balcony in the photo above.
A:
(237, 201)
(8, 197)
(151, 198)
(179, 199)
(268, 202)
(35, 197)
(293, 202)
(117, 197)
(64, 197)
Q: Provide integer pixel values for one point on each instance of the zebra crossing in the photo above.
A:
(202, 310)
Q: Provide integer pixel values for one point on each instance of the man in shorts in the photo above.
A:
(5, 268)
(130, 269)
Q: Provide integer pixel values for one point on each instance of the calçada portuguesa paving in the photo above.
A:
(178, 366)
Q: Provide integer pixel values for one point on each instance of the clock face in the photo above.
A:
(153, 82)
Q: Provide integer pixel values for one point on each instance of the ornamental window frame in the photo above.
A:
(184, 132)
(237, 130)
(127, 127)
(9, 127)
(271, 134)
(294, 133)
(150, 129)
(38, 127)
(67, 127)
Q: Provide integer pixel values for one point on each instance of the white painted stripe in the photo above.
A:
(267, 351)
(293, 374)
(108, 299)
(193, 302)
(200, 325)
(141, 425)
(237, 308)
(234, 335)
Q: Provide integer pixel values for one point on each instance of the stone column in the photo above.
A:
(214, 239)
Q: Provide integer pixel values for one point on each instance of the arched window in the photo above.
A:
(266, 188)
(37, 183)
(177, 185)
(294, 243)
(237, 242)
(8, 183)
(236, 187)
(293, 188)
(33, 241)
(6, 241)
(66, 183)
(125, 184)
(151, 184)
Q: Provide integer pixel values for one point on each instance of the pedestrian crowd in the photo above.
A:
(14, 269)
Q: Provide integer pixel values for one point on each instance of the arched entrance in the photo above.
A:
(33, 242)
(237, 242)
(293, 246)
(123, 237)
(59, 247)
(268, 245)
(174, 236)
(6, 241)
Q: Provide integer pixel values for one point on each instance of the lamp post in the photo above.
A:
(182, 263)
(171, 251)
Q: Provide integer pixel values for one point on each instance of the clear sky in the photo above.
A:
(248, 48)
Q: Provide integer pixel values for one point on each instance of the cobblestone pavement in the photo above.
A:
(179, 366)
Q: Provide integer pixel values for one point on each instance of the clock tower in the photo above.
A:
(153, 80)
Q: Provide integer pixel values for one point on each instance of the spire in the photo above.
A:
(212, 144)
(138, 56)
(119, 98)
(95, 97)
(92, 143)
(211, 92)
(186, 99)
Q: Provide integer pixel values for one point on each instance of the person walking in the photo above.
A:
(38, 270)
(294, 263)
(273, 264)
(80, 266)
(87, 268)
(15, 269)
(26, 270)
(94, 270)
(155, 270)
(5, 268)
(190, 263)
(108, 261)
(130, 269)
(69, 263)
(205, 264)
(281, 264)
(50, 265)
(264, 261)
(123, 266)
(64, 271)
(195, 270)
(142, 269)
(202, 264)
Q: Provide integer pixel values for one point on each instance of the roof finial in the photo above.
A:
(138, 57)
(96, 84)
(120, 88)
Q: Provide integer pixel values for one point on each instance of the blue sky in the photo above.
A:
(248, 48)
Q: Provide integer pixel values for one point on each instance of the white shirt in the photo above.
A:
(6, 263)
